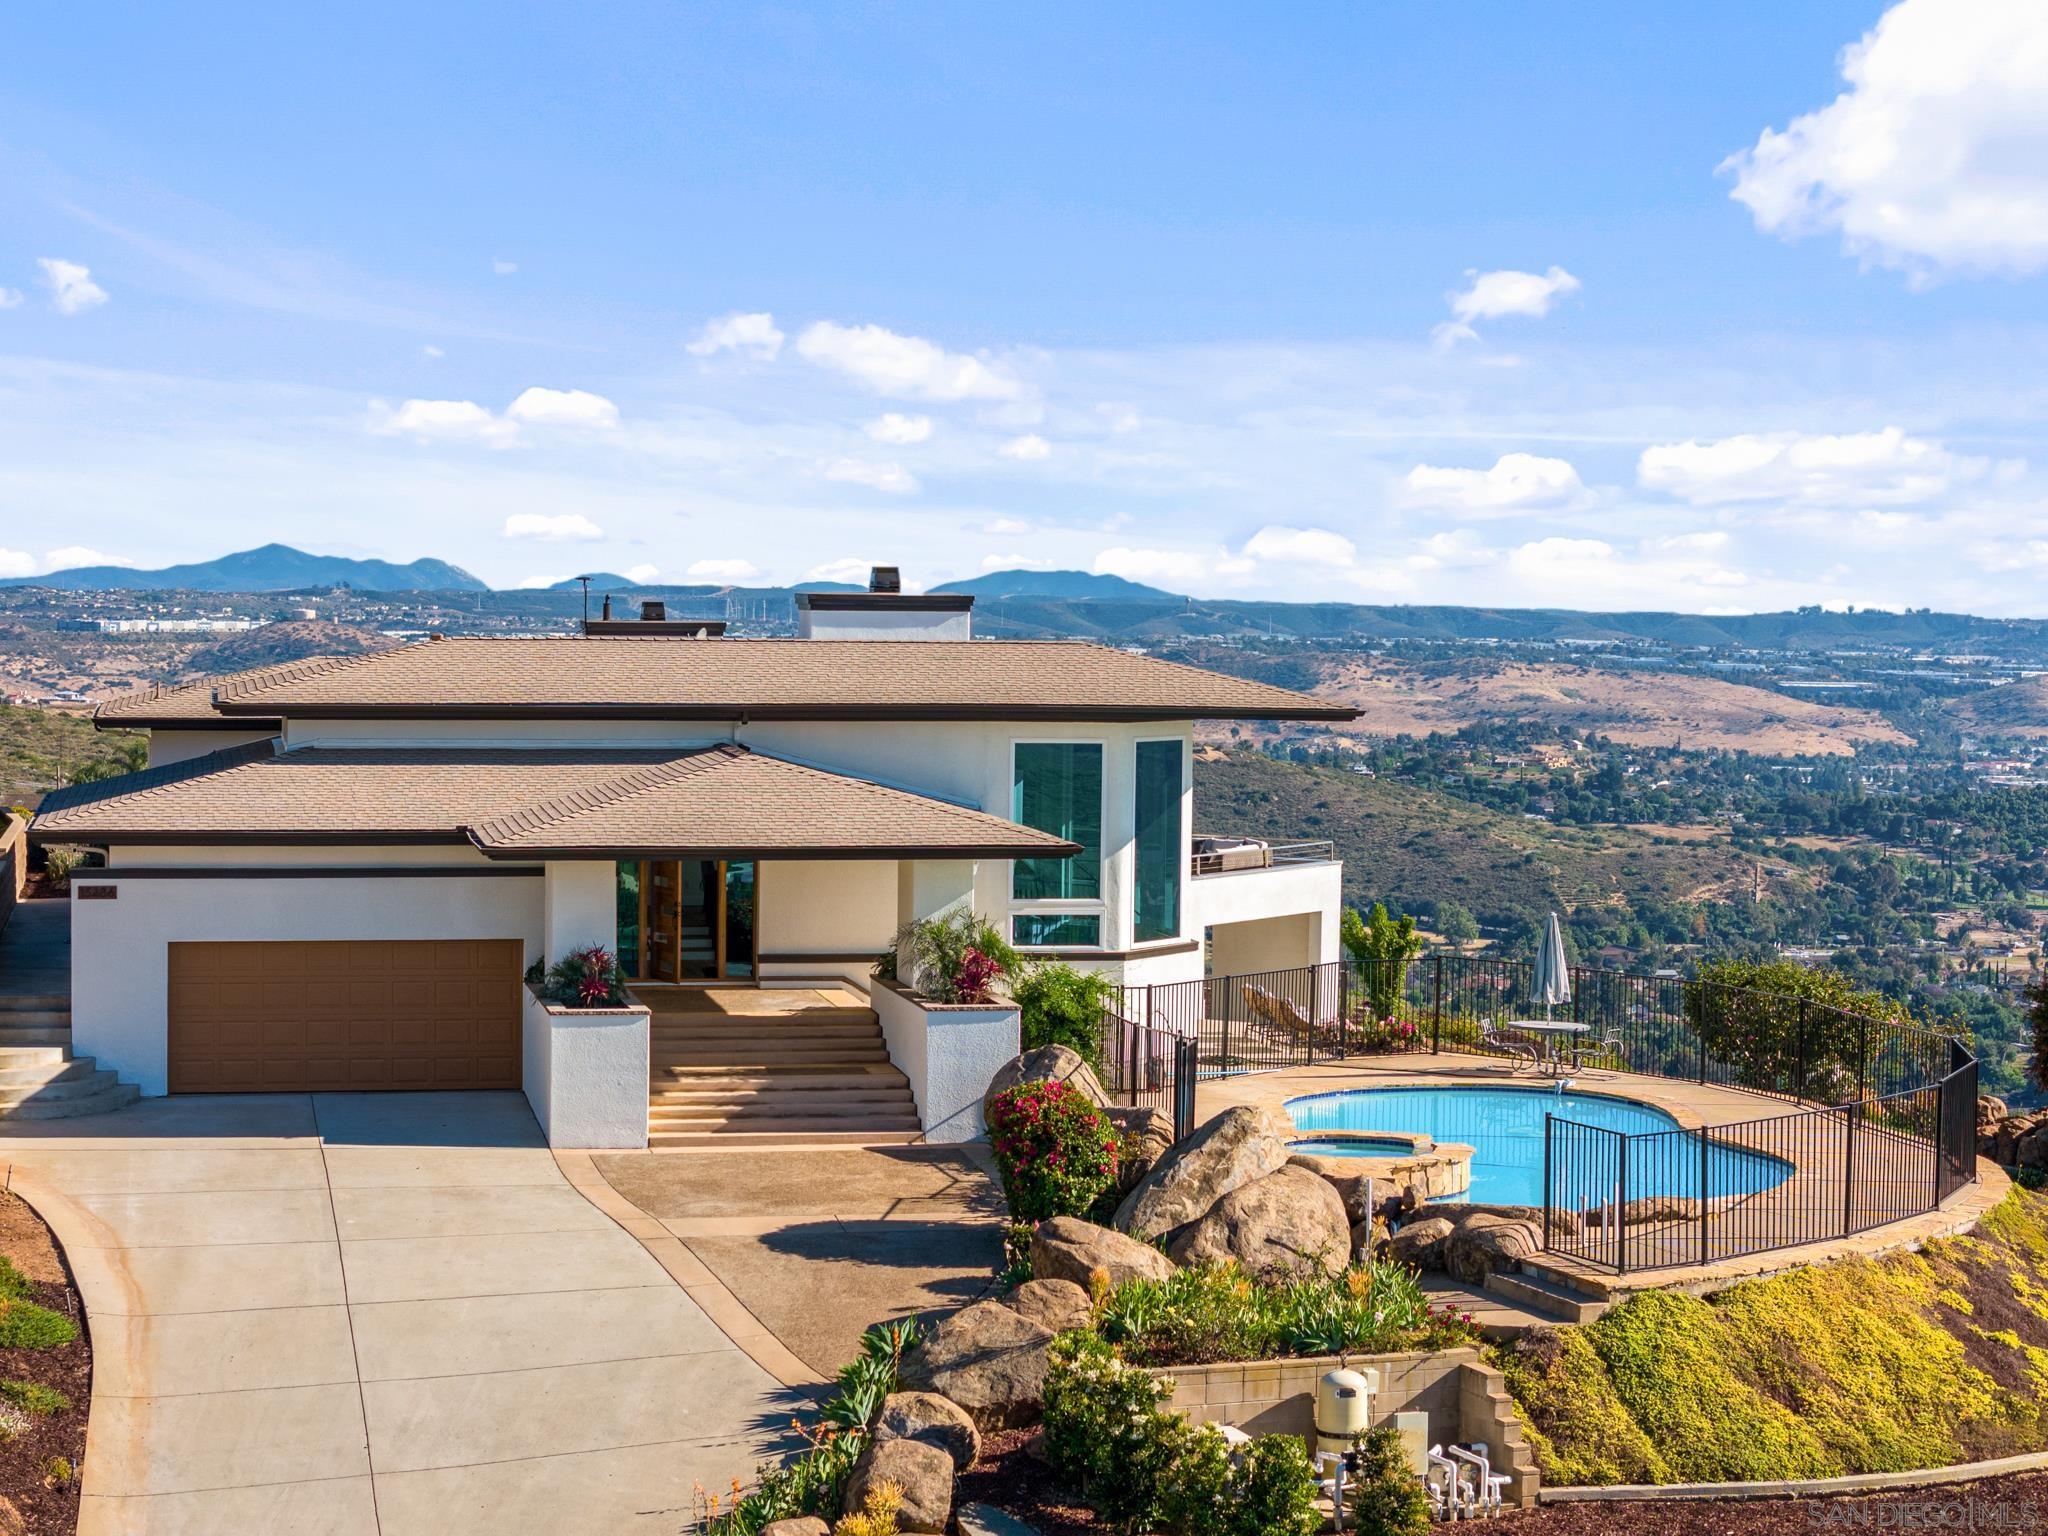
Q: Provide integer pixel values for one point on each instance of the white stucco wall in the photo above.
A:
(177, 746)
(586, 1074)
(120, 965)
(949, 1054)
(1269, 919)
(579, 906)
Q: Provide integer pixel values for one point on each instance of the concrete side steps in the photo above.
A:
(807, 1136)
(1538, 1293)
(109, 1094)
(21, 1036)
(46, 1064)
(34, 1018)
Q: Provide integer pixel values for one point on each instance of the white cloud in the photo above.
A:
(879, 476)
(730, 571)
(430, 350)
(550, 528)
(528, 583)
(11, 298)
(444, 421)
(1935, 157)
(503, 267)
(1592, 573)
(849, 570)
(1119, 416)
(895, 427)
(642, 572)
(563, 408)
(1518, 482)
(1300, 546)
(1015, 563)
(1189, 567)
(1029, 448)
(72, 290)
(750, 335)
(1455, 549)
(17, 562)
(1495, 295)
(904, 366)
(74, 555)
(1006, 525)
(1886, 468)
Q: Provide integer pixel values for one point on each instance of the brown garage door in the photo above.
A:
(333, 1015)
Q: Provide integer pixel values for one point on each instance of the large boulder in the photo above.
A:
(1068, 1248)
(1143, 1136)
(1237, 1147)
(1055, 1304)
(1484, 1244)
(1347, 1177)
(922, 1472)
(797, 1525)
(1047, 1064)
(988, 1359)
(933, 1419)
(1290, 1222)
(1419, 1244)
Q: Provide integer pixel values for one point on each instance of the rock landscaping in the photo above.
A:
(1238, 1146)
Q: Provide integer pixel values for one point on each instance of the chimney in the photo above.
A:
(607, 613)
(885, 612)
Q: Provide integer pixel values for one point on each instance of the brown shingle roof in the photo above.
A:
(761, 679)
(180, 705)
(529, 804)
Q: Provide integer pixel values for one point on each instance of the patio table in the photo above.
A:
(1553, 1033)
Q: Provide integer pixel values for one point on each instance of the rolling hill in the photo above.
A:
(1070, 586)
(272, 568)
(1413, 845)
(2011, 709)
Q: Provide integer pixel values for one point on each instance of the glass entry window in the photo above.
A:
(686, 919)
(1161, 850)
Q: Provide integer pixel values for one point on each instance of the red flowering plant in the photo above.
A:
(1056, 1151)
(587, 978)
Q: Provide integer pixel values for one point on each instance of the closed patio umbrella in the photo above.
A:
(1552, 983)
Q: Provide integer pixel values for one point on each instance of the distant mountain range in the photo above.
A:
(273, 568)
(1082, 585)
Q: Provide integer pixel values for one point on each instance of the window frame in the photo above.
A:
(1180, 863)
(1096, 906)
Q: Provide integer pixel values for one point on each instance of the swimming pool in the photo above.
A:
(1504, 1127)
(1353, 1146)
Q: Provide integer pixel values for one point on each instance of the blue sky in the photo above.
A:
(1593, 305)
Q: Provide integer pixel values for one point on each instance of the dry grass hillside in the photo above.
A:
(1635, 708)
(2011, 709)
(1415, 845)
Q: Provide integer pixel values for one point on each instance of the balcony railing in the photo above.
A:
(1230, 855)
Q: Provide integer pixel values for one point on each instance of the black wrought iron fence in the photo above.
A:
(1888, 1129)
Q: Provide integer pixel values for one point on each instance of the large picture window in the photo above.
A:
(1057, 788)
(1156, 906)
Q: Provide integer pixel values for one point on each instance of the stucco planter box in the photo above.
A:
(949, 1051)
(586, 1072)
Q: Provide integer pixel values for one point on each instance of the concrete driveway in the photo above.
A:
(377, 1313)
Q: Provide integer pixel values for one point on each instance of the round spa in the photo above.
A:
(1504, 1127)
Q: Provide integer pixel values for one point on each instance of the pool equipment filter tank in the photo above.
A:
(1344, 1408)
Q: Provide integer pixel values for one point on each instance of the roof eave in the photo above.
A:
(528, 851)
(1107, 713)
(229, 837)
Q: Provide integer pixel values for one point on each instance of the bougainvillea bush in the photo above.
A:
(587, 978)
(1055, 1149)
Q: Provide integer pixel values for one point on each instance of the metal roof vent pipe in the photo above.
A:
(885, 612)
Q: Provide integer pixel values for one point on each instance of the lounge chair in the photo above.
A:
(1511, 1043)
(1591, 1049)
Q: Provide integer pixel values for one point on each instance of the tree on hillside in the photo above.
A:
(1381, 947)
(1456, 923)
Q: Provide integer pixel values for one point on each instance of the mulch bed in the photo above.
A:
(1010, 1478)
(41, 1505)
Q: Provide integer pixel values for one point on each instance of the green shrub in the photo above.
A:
(1381, 948)
(1055, 1150)
(957, 958)
(587, 978)
(32, 1397)
(1105, 1433)
(1768, 1019)
(1273, 1492)
(14, 1285)
(1580, 1430)
(1385, 1497)
(24, 1325)
(813, 1481)
(1059, 1005)
(1212, 1312)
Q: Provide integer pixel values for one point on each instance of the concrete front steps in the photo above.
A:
(39, 1077)
(818, 1075)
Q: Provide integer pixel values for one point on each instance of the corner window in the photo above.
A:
(1056, 787)
(1063, 930)
(1156, 879)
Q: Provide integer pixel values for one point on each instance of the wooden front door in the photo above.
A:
(687, 920)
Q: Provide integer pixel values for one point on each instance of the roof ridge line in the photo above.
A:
(638, 781)
(246, 685)
(144, 780)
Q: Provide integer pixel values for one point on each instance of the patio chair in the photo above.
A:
(1592, 1049)
(1260, 1004)
(1511, 1043)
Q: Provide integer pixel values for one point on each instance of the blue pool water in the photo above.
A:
(1504, 1128)
(1354, 1146)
